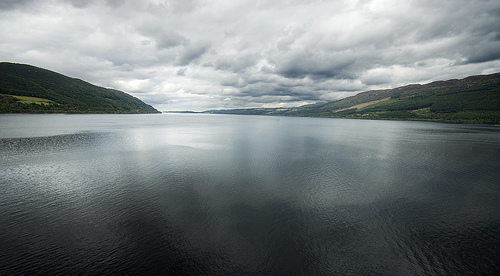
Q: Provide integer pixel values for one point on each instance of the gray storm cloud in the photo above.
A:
(197, 55)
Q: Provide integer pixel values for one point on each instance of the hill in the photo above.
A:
(475, 99)
(29, 89)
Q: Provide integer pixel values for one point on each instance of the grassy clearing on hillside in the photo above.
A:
(30, 100)
(359, 106)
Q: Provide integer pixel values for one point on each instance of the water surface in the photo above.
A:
(246, 195)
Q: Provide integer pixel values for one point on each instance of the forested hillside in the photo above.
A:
(475, 99)
(29, 89)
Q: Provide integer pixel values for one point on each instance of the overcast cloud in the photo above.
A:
(199, 55)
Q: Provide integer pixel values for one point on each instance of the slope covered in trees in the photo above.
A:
(475, 99)
(29, 89)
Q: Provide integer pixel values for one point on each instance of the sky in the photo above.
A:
(202, 54)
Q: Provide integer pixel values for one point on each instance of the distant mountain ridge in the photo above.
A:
(475, 99)
(29, 89)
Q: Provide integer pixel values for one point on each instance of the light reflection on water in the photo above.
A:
(246, 195)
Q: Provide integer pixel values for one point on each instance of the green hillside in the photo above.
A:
(475, 99)
(29, 89)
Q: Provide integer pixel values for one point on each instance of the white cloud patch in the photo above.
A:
(196, 55)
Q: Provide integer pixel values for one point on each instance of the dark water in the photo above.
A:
(244, 195)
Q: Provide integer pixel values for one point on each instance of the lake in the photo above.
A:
(199, 194)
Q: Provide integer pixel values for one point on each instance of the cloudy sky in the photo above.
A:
(204, 54)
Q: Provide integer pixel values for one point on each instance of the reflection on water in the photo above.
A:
(246, 195)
